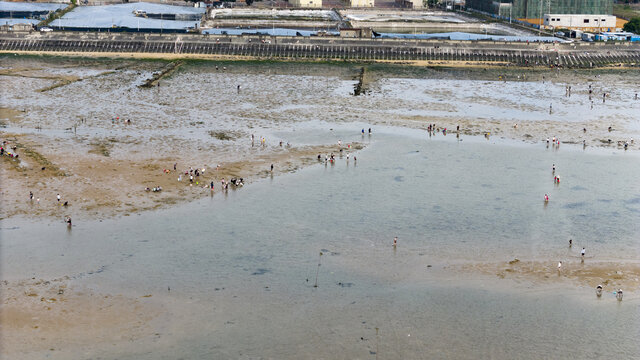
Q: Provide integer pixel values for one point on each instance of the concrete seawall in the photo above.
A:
(578, 55)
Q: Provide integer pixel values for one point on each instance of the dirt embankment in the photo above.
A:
(591, 273)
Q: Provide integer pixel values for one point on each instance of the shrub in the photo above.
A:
(633, 25)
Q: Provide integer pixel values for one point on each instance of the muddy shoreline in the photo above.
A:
(68, 119)
(109, 157)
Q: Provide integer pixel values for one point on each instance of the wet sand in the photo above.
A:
(101, 167)
(611, 275)
(62, 318)
(98, 182)
(108, 163)
(40, 317)
(109, 172)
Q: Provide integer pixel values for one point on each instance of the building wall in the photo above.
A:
(580, 21)
(350, 33)
(366, 33)
(537, 8)
(306, 3)
(416, 4)
(361, 3)
(17, 27)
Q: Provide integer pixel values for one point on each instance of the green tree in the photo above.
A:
(430, 3)
(633, 25)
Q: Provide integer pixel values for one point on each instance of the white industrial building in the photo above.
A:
(361, 3)
(306, 3)
(581, 22)
(418, 4)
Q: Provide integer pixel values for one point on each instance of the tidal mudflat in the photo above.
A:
(93, 128)
(299, 263)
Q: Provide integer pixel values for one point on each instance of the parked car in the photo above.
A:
(46, 29)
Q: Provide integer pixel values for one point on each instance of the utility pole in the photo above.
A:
(510, 11)
(540, 26)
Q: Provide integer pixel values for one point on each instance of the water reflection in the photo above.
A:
(244, 263)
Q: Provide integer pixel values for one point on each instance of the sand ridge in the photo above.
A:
(611, 275)
(99, 186)
(39, 316)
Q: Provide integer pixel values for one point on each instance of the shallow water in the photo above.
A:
(121, 15)
(242, 266)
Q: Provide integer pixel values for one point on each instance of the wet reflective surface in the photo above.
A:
(242, 266)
